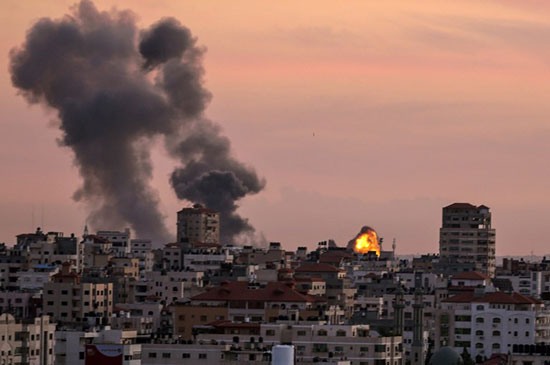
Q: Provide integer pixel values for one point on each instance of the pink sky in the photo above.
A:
(414, 105)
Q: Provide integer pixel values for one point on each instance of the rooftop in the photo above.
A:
(241, 291)
(317, 268)
(470, 275)
(492, 298)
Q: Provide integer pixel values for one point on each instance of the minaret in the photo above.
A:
(398, 307)
(85, 231)
(393, 246)
(418, 318)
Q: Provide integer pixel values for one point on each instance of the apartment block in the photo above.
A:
(467, 239)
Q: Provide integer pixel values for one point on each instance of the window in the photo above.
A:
(321, 333)
(496, 320)
(526, 333)
(301, 333)
(181, 317)
(479, 345)
(152, 355)
(480, 307)
(165, 355)
(202, 356)
(496, 333)
(496, 346)
(463, 318)
(479, 320)
(479, 333)
(270, 333)
(203, 318)
(526, 320)
(379, 348)
(341, 333)
(185, 356)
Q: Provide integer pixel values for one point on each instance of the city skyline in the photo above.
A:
(378, 118)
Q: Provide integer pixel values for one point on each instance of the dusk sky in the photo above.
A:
(356, 113)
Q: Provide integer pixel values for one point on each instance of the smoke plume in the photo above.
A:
(115, 88)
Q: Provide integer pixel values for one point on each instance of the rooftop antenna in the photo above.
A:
(32, 219)
(42, 216)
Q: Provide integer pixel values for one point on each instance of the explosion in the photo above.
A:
(367, 241)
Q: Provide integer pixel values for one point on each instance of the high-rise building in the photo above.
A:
(466, 239)
(198, 224)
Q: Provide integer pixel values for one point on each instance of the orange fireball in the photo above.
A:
(367, 242)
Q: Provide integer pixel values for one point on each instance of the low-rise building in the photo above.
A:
(26, 341)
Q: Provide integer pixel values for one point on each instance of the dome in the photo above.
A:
(446, 356)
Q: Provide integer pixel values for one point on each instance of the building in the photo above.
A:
(314, 342)
(198, 224)
(339, 289)
(79, 348)
(120, 241)
(29, 342)
(490, 323)
(466, 238)
(241, 301)
(67, 299)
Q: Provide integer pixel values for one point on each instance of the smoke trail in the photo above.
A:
(89, 67)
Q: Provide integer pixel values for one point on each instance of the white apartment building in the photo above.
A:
(26, 342)
(119, 239)
(529, 283)
(489, 323)
(149, 310)
(353, 343)
(36, 277)
(206, 259)
(160, 285)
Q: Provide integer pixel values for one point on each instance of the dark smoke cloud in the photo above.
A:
(213, 177)
(89, 67)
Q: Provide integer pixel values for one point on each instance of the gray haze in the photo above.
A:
(113, 96)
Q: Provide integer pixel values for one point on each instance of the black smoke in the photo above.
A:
(115, 88)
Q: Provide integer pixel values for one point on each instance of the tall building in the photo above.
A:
(198, 224)
(466, 239)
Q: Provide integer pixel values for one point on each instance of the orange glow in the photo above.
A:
(367, 242)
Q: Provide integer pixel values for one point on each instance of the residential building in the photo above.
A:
(26, 341)
(466, 237)
(198, 224)
(120, 241)
(67, 299)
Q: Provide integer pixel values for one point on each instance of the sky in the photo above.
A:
(355, 112)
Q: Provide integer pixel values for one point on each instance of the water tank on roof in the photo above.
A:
(282, 355)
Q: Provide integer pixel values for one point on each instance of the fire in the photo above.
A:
(366, 242)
